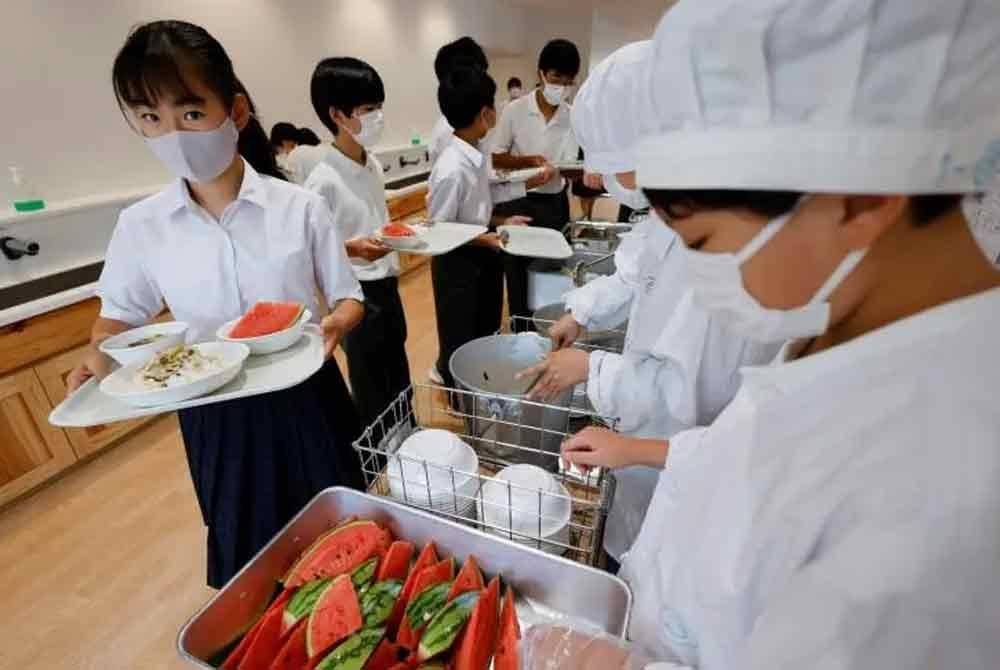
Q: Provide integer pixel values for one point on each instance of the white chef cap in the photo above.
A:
(604, 115)
(862, 96)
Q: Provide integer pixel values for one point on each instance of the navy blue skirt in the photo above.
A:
(255, 462)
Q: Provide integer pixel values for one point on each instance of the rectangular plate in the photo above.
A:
(535, 242)
(260, 374)
(555, 587)
(514, 176)
(442, 237)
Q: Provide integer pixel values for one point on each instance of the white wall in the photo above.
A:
(617, 24)
(60, 122)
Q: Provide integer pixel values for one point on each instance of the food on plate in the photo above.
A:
(322, 620)
(149, 339)
(176, 366)
(397, 230)
(266, 318)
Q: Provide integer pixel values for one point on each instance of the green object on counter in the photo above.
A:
(29, 205)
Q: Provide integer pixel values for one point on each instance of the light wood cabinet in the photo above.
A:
(31, 451)
(85, 441)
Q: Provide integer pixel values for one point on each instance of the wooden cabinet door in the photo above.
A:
(85, 441)
(31, 450)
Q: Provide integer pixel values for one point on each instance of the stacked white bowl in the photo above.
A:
(437, 470)
(530, 503)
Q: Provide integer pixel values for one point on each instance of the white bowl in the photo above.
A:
(123, 385)
(173, 333)
(267, 344)
(527, 500)
(451, 467)
(402, 243)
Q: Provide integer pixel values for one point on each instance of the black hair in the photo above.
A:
(513, 81)
(344, 84)
(680, 203)
(463, 94)
(560, 56)
(308, 137)
(283, 131)
(463, 52)
(156, 59)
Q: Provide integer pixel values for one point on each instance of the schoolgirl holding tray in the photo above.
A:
(227, 232)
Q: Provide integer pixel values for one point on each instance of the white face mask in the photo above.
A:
(554, 93)
(197, 155)
(372, 125)
(515, 93)
(718, 287)
(631, 198)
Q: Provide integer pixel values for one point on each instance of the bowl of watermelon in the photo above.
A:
(268, 327)
(400, 236)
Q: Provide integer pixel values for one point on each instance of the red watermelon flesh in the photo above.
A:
(387, 655)
(236, 656)
(396, 563)
(470, 578)
(266, 643)
(336, 552)
(265, 318)
(507, 654)
(476, 643)
(293, 655)
(442, 571)
(337, 615)
(427, 558)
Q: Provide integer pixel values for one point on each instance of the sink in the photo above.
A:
(549, 281)
(12, 296)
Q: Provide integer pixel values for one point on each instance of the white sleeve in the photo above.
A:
(502, 136)
(606, 301)
(126, 291)
(507, 191)
(444, 198)
(333, 269)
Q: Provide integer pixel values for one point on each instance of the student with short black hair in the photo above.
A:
(284, 137)
(308, 137)
(347, 95)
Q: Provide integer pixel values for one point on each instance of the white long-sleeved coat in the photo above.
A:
(679, 368)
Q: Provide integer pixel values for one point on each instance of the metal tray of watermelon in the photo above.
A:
(260, 374)
(553, 588)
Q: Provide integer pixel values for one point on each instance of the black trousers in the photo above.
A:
(255, 462)
(468, 299)
(547, 210)
(376, 350)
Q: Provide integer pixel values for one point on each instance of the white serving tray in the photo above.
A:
(536, 242)
(515, 176)
(261, 374)
(442, 237)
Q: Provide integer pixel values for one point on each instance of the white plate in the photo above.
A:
(535, 242)
(268, 344)
(261, 374)
(441, 450)
(532, 495)
(515, 176)
(442, 237)
(124, 385)
(173, 333)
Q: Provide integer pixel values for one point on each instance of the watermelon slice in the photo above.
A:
(265, 318)
(335, 617)
(443, 571)
(386, 655)
(478, 640)
(427, 558)
(236, 656)
(336, 552)
(507, 654)
(266, 642)
(397, 230)
(293, 655)
(396, 563)
(469, 579)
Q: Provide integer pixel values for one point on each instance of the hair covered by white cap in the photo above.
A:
(898, 96)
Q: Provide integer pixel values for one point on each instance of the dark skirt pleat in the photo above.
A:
(255, 462)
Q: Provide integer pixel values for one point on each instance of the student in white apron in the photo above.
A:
(217, 239)
(843, 511)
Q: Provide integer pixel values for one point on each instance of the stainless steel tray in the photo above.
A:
(555, 587)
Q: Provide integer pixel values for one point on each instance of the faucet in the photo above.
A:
(14, 247)
(580, 269)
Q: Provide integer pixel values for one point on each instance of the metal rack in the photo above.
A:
(497, 427)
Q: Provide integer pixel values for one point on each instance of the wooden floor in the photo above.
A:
(100, 569)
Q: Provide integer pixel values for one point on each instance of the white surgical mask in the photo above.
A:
(372, 125)
(197, 155)
(515, 93)
(554, 93)
(632, 198)
(718, 287)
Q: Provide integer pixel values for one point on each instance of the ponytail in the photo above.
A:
(254, 144)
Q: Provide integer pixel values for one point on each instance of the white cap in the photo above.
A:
(844, 96)
(604, 115)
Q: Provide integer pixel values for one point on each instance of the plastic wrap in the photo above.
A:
(555, 647)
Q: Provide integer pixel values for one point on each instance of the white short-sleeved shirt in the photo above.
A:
(303, 159)
(523, 131)
(356, 196)
(276, 241)
(460, 185)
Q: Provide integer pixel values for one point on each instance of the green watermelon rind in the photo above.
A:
(426, 604)
(354, 652)
(378, 602)
(303, 601)
(313, 622)
(443, 629)
(363, 575)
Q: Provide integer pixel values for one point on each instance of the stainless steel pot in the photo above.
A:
(507, 427)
